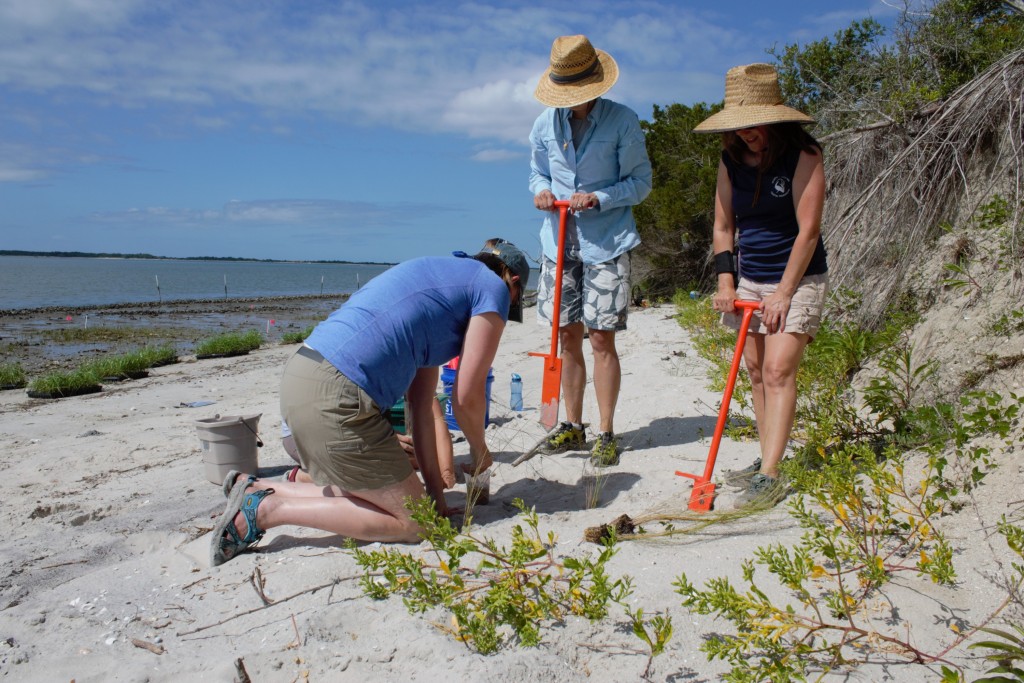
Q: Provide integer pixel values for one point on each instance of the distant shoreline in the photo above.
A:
(152, 257)
(158, 307)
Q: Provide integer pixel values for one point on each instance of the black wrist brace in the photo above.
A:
(725, 262)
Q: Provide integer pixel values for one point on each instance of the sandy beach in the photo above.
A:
(104, 573)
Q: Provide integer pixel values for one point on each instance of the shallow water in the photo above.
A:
(43, 281)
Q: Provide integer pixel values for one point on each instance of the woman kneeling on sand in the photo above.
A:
(387, 340)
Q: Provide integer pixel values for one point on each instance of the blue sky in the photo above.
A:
(351, 130)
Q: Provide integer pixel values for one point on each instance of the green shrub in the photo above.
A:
(519, 588)
(864, 517)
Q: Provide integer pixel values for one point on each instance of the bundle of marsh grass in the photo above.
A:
(229, 344)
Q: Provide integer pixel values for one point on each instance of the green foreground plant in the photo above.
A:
(865, 515)
(510, 592)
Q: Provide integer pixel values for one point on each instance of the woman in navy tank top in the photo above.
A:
(768, 248)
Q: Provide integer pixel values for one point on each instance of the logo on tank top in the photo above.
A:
(781, 186)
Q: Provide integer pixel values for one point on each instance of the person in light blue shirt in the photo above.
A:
(590, 151)
(385, 342)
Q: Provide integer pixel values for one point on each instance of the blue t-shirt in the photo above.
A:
(768, 229)
(411, 316)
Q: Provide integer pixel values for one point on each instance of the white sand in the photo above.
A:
(106, 514)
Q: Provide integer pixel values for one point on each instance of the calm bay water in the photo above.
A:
(40, 281)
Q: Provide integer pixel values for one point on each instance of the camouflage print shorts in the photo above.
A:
(595, 294)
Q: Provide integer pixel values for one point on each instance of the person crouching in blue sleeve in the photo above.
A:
(386, 341)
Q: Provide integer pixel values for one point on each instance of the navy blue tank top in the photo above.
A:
(768, 229)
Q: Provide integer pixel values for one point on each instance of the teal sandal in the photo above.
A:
(229, 481)
(226, 542)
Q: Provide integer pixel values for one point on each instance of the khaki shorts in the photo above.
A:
(805, 309)
(342, 437)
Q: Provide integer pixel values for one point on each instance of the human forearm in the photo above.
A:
(799, 258)
(470, 415)
(420, 397)
(425, 441)
(469, 402)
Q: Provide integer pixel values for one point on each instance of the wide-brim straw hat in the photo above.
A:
(752, 98)
(578, 73)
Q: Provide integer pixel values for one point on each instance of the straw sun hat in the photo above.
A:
(578, 73)
(752, 98)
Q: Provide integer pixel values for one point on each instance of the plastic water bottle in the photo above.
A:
(516, 401)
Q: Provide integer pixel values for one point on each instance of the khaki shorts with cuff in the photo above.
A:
(805, 309)
(343, 437)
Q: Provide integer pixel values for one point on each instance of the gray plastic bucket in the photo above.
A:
(230, 442)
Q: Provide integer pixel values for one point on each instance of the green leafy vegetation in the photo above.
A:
(872, 474)
(509, 594)
(864, 74)
(675, 220)
(864, 77)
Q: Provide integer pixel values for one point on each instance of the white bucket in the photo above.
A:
(230, 442)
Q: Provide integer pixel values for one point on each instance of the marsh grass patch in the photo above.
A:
(12, 376)
(64, 384)
(229, 344)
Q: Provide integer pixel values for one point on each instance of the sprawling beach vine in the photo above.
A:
(873, 473)
(508, 593)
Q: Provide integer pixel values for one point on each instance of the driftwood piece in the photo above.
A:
(146, 645)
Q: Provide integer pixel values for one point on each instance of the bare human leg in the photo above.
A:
(369, 515)
(607, 375)
(574, 371)
(777, 358)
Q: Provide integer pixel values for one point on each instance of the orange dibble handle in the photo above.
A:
(551, 386)
(703, 494)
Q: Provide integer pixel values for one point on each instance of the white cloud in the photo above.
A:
(13, 174)
(466, 69)
(273, 212)
(493, 154)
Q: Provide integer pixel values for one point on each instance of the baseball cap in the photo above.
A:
(515, 259)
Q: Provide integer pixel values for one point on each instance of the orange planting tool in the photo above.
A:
(551, 387)
(703, 494)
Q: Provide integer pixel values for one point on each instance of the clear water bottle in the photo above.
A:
(516, 401)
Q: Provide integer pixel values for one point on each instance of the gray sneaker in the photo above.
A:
(762, 492)
(741, 478)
